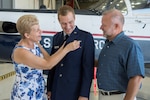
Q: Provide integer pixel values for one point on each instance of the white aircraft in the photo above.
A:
(137, 25)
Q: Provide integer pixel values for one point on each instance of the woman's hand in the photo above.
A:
(72, 46)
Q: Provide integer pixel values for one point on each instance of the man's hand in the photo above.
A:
(49, 95)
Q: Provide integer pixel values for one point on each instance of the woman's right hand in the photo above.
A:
(72, 45)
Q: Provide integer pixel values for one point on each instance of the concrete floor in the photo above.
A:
(7, 82)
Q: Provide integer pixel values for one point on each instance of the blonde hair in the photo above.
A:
(24, 24)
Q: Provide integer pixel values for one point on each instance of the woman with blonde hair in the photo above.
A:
(29, 58)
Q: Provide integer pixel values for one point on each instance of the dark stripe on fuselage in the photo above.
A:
(7, 43)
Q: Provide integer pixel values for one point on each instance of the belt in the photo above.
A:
(110, 93)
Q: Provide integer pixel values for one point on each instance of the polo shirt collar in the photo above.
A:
(116, 39)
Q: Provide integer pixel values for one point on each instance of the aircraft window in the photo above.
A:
(103, 5)
(8, 27)
(140, 4)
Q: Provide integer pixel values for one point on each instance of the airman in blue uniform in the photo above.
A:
(71, 78)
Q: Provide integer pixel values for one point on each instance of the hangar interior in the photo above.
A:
(50, 4)
(76, 4)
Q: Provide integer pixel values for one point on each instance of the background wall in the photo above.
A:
(19, 4)
(35, 4)
(6, 4)
(26, 4)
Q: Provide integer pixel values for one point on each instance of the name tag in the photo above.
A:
(56, 47)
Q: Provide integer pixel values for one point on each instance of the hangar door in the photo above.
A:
(6, 4)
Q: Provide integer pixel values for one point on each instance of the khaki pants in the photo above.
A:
(112, 97)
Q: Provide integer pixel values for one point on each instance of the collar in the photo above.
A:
(73, 32)
(116, 39)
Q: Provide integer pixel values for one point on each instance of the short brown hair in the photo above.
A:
(63, 11)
